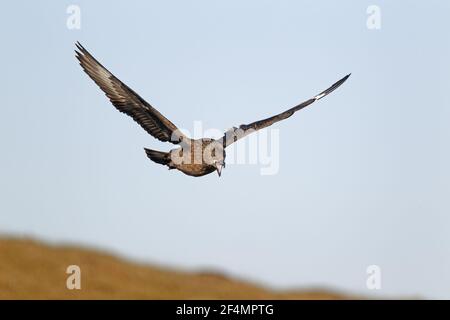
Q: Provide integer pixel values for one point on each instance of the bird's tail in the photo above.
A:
(158, 156)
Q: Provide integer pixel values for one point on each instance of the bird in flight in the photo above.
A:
(194, 157)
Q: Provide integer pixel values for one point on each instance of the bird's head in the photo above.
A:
(214, 154)
(219, 164)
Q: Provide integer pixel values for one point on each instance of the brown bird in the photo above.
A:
(194, 157)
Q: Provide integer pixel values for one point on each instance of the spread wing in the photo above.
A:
(235, 134)
(128, 101)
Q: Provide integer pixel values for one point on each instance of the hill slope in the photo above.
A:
(32, 270)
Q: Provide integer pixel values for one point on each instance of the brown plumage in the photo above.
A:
(194, 157)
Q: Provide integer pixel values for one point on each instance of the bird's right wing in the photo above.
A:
(128, 101)
(235, 134)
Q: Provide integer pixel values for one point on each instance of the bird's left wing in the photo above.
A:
(128, 101)
(235, 134)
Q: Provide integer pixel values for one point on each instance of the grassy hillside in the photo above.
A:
(32, 270)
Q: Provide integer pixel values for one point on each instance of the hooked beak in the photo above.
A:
(219, 169)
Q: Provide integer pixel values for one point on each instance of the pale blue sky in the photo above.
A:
(363, 173)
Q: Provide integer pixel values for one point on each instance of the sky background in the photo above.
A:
(363, 178)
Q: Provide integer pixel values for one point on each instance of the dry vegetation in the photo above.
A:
(32, 270)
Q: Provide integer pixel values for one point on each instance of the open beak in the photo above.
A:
(219, 169)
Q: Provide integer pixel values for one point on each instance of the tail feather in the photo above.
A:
(158, 156)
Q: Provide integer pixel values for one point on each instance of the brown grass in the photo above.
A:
(32, 270)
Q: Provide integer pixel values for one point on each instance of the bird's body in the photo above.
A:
(194, 157)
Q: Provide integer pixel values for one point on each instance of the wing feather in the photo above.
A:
(243, 130)
(127, 101)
